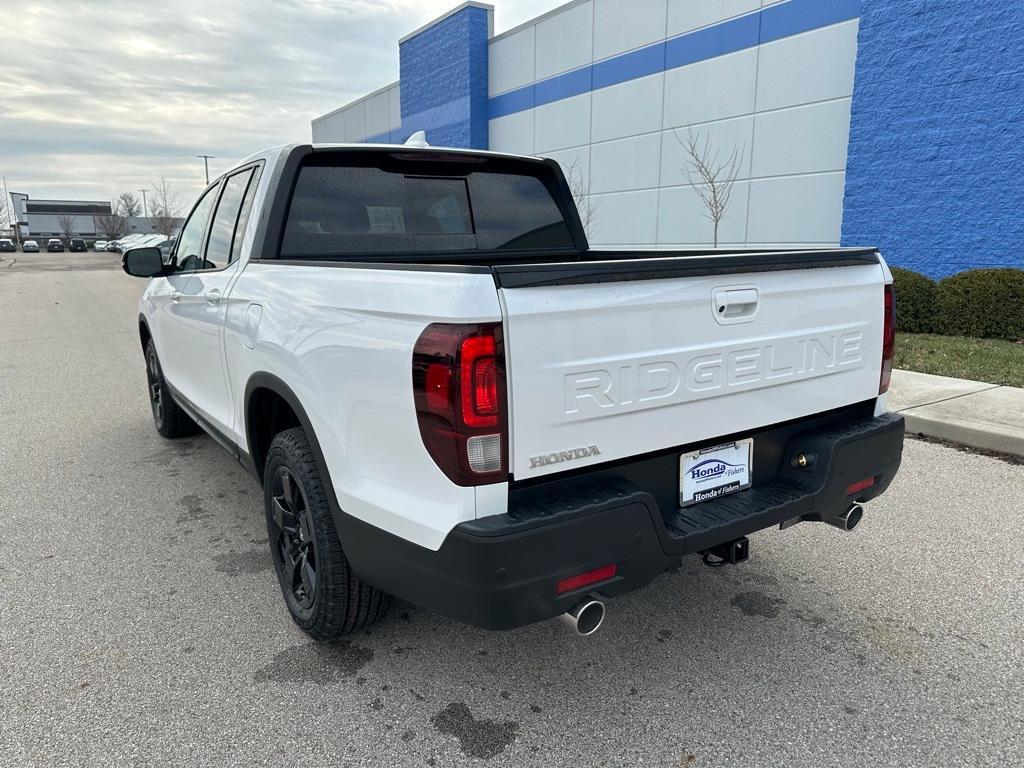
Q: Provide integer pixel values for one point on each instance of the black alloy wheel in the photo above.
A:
(156, 389)
(293, 542)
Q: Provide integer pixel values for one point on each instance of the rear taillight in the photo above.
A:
(458, 381)
(888, 339)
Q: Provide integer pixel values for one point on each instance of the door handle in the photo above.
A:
(175, 296)
(213, 296)
(734, 305)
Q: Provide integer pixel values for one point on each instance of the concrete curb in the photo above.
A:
(985, 416)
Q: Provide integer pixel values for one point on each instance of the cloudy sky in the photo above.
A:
(105, 96)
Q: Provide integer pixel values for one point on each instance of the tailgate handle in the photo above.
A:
(734, 305)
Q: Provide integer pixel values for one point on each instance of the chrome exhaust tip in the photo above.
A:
(586, 617)
(849, 519)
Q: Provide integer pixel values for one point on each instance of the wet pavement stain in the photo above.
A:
(249, 561)
(315, 663)
(477, 738)
(758, 604)
(194, 509)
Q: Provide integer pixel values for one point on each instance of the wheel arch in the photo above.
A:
(265, 394)
(145, 335)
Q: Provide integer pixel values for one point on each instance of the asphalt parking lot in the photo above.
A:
(140, 621)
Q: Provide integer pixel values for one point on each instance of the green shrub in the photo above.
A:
(984, 303)
(915, 301)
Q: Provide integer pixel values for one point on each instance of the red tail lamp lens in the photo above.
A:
(458, 378)
(581, 580)
(888, 339)
(479, 381)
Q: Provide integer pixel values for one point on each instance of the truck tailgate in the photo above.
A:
(632, 359)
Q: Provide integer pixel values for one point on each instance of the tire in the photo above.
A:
(325, 598)
(168, 417)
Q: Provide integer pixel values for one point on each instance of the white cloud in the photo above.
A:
(106, 96)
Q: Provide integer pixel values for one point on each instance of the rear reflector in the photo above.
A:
(863, 485)
(585, 579)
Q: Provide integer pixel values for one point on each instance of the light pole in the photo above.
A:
(145, 211)
(206, 166)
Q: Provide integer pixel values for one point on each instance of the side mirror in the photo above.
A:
(143, 262)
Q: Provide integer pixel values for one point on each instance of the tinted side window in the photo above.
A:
(190, 241)
(243, 217)
(218, 248)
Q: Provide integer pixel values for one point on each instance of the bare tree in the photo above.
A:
(66, 223)
(128, 205)
(113, 225)
(581, 194)
(166, 208)
(710, 176)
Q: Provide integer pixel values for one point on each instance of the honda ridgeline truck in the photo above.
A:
(447, 396)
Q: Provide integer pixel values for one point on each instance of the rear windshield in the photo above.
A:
(376, 204)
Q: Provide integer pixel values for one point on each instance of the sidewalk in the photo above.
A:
(986, 416)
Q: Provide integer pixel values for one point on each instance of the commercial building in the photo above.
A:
(78, 218)
(895, 124)
(47, 218)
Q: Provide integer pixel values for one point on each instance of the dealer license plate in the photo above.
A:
(712, 472)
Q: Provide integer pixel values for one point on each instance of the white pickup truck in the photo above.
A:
(447, 396)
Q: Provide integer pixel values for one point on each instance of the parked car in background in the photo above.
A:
(30, 246)
(55, 245)
(100, 245)
(77, 245)
(167, 246)
(112, 246)
(129, 241)
(7, 245)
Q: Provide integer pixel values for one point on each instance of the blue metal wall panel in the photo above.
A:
(444, 81)
(934, 171)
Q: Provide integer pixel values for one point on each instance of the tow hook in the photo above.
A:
(729, 553)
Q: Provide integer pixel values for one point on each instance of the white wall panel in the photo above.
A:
(575, 164)
(330, 128)
(625, 218)
(711, 90)
(512, 133)
(562, 124)
(377, 120)
(565, 40)
(722, 136)
(511, 61)
(395, 106)
(809, 67)
(682, 217)
(688, 15)
(625, 164)
(621, 25)
(354, 119)
(802, 139)
(796, 209)
(628, 108)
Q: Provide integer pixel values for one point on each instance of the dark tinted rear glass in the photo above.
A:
(379, 204)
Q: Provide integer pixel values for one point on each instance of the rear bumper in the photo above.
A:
(500, 572)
